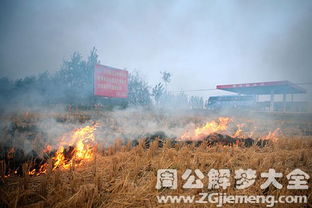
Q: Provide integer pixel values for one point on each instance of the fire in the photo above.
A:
(224, 125)
(272, 136)
(239, 130)
(210, 127)
(79, 148)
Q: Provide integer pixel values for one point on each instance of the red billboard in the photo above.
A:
(110, 82)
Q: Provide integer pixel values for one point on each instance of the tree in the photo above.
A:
(138, 90)
(158, 91)
(166, 77)
(76, 78)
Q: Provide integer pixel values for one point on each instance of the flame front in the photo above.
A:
(210, 127)
(272, 136)
(226, 125)
(78, 149)
(79, 145)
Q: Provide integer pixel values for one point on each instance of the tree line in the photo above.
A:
(72, 84)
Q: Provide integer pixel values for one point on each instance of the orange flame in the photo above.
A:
(222, 126)
(83, 141)
(272, 136)
(239, 130)
(209, 128)
(79, 148)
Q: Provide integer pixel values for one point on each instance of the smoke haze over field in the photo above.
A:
(202, 43)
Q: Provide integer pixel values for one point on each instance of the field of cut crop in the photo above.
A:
(101, 159)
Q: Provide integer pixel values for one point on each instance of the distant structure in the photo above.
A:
(271, 89)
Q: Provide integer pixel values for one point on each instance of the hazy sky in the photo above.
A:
(202, 43)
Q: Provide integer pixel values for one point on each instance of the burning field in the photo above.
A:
(106, 159)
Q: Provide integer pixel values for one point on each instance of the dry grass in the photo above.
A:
(122, 176)
(126, 178)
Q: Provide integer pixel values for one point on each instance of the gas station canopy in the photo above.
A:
(263, 88)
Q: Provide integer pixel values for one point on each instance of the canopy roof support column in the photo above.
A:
(284, 102)
(272, 102)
